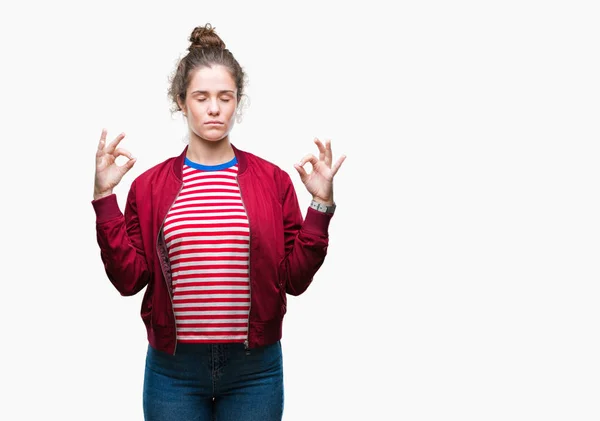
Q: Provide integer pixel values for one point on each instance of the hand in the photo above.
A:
(319, 182)
(108, 173)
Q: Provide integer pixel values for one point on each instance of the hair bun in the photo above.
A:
(205, 37)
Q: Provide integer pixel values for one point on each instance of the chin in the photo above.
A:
(212, 137)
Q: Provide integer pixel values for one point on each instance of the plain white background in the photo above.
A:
(462, 280)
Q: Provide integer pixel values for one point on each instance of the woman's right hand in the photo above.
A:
(108, 173)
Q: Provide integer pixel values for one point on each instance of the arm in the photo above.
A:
(120, 242)
(306, 240)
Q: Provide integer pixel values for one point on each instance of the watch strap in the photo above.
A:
(321, 207)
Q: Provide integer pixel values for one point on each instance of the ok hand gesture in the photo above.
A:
(108, 173)
(319, 182)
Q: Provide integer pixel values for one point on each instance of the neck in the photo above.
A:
(206, 152)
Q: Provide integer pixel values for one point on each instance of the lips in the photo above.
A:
(214, 122)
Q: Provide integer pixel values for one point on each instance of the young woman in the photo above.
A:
(217, 237)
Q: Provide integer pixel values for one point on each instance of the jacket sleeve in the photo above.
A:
(306, 240)
(120, 241)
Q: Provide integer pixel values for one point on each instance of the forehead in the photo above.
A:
(214, 78)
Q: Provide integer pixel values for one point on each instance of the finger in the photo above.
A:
(321, 149)
(302, 172)
(113, 145)
(308, 158)
(337, 165)
(102, 140)
(101, 143)
(122, 152)
(328, 153)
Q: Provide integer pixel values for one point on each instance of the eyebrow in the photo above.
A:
(226, 91)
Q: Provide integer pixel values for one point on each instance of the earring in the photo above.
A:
(238, 117)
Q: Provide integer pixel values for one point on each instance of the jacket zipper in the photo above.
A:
(246, 342)
(169, 288)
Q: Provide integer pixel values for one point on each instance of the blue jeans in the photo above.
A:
(219, 382)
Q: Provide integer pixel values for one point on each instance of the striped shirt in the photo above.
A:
(208, 236)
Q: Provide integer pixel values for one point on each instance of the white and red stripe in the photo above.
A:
(207, 235)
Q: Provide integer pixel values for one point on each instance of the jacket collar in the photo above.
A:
(239, 154)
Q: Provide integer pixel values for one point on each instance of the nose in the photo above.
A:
(213, 107)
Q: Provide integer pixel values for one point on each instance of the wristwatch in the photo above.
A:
(321, 207)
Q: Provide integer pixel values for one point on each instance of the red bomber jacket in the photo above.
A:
(286, 250)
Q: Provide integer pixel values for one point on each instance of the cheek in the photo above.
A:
(198, 108)
(230, 113)
(232, 116)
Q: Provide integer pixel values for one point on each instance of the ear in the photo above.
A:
(243, 102)
(182, 106)
(240, 99)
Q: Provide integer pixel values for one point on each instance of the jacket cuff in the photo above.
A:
(317, 221)
(106, 208)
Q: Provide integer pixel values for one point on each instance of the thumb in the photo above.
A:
(128, 165)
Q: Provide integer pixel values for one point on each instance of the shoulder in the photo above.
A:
(269, 174)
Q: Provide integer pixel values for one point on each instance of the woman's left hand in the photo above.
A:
(319, 182)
